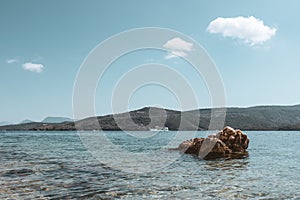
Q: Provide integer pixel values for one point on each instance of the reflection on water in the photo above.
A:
(227, 164)
(55, 165)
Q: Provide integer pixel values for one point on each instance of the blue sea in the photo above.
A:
(57, 165)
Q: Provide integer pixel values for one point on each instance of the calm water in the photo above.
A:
(56, 165)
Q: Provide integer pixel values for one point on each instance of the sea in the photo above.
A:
(144, 165)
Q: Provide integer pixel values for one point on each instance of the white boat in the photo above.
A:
(159, 129)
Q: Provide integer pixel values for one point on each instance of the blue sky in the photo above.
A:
(43, 43)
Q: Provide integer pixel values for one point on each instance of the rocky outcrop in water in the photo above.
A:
(226, 143)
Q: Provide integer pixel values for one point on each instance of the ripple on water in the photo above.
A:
(55, 166)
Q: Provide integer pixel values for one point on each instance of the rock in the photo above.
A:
(226, 143)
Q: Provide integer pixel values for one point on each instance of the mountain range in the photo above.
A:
(251, 118)
(4, 123)
(56, 120)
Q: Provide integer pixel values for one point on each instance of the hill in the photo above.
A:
(252, 118)
(4, 123)
(56, 120)
(26, 121)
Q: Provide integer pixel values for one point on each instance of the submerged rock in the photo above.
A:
(226, 143)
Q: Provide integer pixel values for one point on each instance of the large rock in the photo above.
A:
(226, 143)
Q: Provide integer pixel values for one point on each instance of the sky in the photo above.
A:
(254, 45)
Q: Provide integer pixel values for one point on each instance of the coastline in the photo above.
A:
(258, 118)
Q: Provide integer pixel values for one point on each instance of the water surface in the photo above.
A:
(56, 165)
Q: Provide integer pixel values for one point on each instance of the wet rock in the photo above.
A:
(226, 143)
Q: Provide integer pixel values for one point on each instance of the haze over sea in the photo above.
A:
(55, 165)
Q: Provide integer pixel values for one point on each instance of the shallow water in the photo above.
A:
(56, 165)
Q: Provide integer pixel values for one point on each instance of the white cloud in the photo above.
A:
(250, 30)
(175, 54)
(13, 60)
(178, 47)
(33, 67)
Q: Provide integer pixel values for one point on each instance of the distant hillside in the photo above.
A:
(4, 123)
(56, 120)
(252, 118)
(26, 121)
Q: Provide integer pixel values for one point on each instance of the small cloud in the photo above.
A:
(33, 67)
(178, 48)
(250, 30)
(13, 60)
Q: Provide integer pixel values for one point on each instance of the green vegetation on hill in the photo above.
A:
(252, 118)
